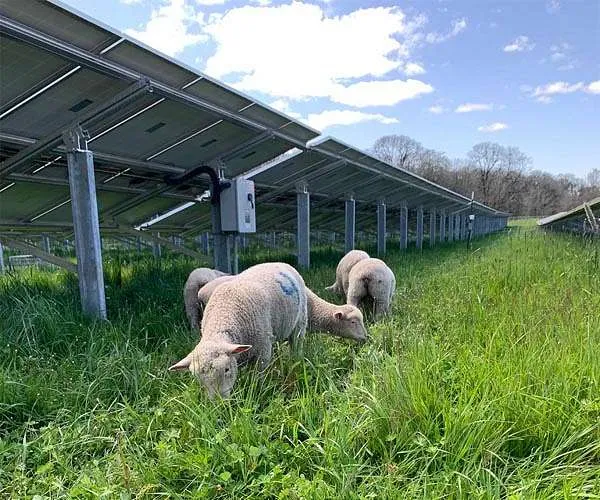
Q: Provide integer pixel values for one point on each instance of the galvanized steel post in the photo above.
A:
(350, 224)
(432, 227)
(381, 219)
(403, 227)
(303, 226)
(420, 227)
(442, 225)
(86, 226)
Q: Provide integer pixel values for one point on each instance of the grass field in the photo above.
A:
(483, 383)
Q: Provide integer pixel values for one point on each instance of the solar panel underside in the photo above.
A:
(59, 67)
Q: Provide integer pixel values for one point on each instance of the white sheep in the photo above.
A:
(342, 321)
(342, 271)
(207, 290)
(244, 317)
(371, 278)
(196, 280)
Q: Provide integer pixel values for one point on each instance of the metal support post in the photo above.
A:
(432, 227)
(2, 268)
(156, 248)
(303, 226)
(350, 224)
(236, 262)
(403, 227)
(46, 243)
(456, 227)
(450, 227)
(420, 227)
(221, 259)
(381, 220)
(86, 225)
(442, 225)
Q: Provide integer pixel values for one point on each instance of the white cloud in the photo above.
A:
(458, 25)
(470, 107)
(562, 53)
(266, 49)
(379, 93)
(330, 118)
(593, 87)
(436, 110)
(553, 6)
(545, 93)
(412, 69)
(519, 44)
(170, 28)
(493, 127)
(131, 2)
(210, 2)
(557, 88)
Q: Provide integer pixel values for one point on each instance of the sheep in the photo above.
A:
(242, 320)
(342, 271)
(344, 321)
(371, 278)
(207, 290)
(196, 280)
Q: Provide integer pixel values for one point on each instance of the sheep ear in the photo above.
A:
(237, 348)
(184, 364)
(338, 315)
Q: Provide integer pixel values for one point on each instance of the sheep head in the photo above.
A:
(349, 323)
(214, 364)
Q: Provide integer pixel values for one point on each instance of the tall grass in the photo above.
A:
(483, 383)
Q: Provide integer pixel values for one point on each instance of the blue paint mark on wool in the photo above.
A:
(289, 288)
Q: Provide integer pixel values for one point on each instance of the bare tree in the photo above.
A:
(499, 175)
(398, 150)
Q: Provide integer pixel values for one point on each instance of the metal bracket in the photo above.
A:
(75, 139)
(591, 219)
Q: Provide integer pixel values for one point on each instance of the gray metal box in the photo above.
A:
(238, 208)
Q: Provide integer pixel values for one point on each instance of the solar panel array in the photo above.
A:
(151, 119)
(583, 219)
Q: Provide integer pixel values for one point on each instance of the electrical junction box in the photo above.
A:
(238, 207)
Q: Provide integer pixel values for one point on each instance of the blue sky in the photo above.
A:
(449, 74)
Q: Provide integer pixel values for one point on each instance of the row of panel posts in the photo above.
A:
(88, 243)
(444, 226)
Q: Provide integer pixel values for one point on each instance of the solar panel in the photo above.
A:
(61, 65)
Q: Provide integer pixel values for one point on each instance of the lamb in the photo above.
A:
(344, 321)
(243, 318)
(342, 271)
(196, 280)
(207, 290)
(371, 278)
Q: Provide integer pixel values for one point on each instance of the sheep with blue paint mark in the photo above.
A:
(344, 321)
(243, 319)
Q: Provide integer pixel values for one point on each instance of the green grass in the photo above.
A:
(483, 383)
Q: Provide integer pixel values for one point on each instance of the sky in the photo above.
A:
(448, 73)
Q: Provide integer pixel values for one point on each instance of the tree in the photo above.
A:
(398, 150)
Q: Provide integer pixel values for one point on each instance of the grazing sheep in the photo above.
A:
(244, 317)
(344, 321)
(207, 290)
(371, 278)
(342, 271)
(196, 280)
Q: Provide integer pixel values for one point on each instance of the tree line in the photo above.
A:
(500, 176)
